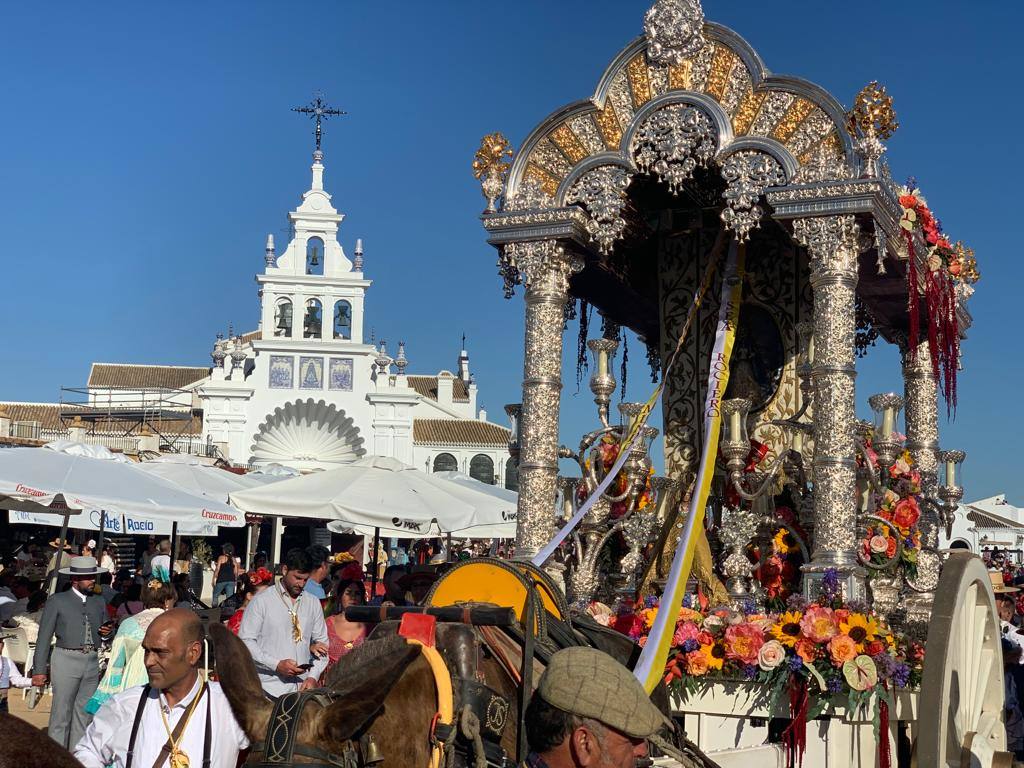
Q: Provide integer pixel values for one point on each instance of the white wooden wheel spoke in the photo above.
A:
(961, 710)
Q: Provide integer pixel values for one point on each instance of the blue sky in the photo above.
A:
(147, 149)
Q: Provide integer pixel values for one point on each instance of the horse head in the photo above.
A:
(382, 691)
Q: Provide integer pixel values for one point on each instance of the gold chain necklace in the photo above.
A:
(178, 758)
(294, 613)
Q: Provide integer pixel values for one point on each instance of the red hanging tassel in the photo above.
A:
(884, 757)
(795, 735)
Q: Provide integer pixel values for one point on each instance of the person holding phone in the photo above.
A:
(283, 628)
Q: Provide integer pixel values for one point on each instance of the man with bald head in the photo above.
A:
(178, 720)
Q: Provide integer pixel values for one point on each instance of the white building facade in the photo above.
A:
(991, 523)
(307, 391)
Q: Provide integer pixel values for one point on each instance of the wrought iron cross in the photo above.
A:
(318, 110)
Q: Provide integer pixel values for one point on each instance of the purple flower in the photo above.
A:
(830, 585)
(858, 606)
(690, 645)
(749, 671)
(911, 182)
(687, 601)
(901, 674)
(795, 662)
(796, 602)
(908, 542)
(650, 601)
(834, 684)
(748, 606)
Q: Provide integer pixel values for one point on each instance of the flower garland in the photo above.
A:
(947, 263)
(900, 506)
(812, 651)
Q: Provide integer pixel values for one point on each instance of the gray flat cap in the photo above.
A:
(590, 683)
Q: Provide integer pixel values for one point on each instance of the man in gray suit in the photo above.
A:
(76, 618)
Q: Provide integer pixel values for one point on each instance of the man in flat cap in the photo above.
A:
(589, 710)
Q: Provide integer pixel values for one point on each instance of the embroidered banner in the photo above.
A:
(650, 667)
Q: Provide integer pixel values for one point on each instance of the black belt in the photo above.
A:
(91, 649)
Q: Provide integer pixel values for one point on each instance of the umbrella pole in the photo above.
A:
(448, 548)
(52, 575)
(174, 545)
(373, 577)
(99, 539)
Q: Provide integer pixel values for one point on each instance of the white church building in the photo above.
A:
(306, 389)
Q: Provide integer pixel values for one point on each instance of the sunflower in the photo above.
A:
(715, 654)
(787, 628)
(862, 629)
(784, 542)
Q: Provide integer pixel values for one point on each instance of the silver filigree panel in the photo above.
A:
(747, 175)
(671, 143)
(674, 31)
(602, 192)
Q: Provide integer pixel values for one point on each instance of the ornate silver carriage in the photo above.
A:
(691, 172)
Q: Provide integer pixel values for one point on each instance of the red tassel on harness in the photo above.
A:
(795, 735)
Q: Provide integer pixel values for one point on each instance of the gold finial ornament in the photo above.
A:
(873, 114)
(490, 167)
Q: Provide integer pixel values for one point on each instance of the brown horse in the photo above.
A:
(384, 689)
(23, 745)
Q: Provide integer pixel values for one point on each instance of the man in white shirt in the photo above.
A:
(1006, 607)
(177, 703)
(284, 630)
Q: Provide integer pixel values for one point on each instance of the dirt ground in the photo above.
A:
(39, 716)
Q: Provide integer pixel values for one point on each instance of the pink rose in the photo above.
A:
(878, 544)
(771, 655)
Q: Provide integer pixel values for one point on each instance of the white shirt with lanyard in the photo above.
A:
(129, 731)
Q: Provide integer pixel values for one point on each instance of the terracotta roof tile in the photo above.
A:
(458, 432)
(990, 520)
(427, 387)
(48, 416)
(118, 376)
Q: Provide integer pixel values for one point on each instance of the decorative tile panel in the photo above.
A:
(340, 377)
(281, 371)
(311, 373)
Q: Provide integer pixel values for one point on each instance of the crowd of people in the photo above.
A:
(122, 651)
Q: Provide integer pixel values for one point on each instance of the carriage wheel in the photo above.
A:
(960, 719)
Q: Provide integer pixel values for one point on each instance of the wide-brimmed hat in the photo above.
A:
(82, 566)
(56, 545)
(418, 574)
(998, 585)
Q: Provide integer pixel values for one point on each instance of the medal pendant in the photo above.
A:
(179, 759)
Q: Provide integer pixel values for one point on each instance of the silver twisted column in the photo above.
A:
(831, 242)
(922, 415)
(545, 268)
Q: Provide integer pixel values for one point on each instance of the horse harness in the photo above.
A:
(279, 747)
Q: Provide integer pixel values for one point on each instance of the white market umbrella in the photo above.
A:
(40, 480)
(495, 507)
(374, 492)
(200, 479)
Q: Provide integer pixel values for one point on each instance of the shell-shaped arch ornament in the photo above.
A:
(308, 434)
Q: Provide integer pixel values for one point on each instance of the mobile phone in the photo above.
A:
(305, 667)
